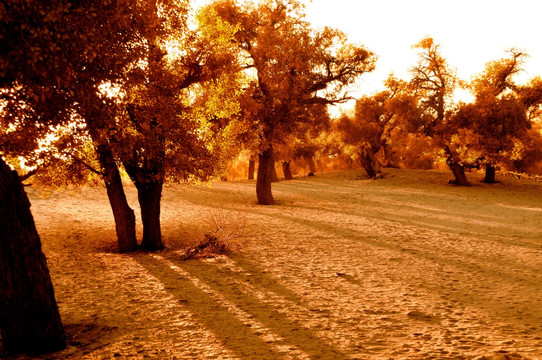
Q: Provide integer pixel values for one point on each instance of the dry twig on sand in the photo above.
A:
(222, 239)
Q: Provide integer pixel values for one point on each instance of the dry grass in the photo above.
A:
(219, 233)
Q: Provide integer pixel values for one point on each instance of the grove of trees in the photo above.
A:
(97, 90)
(419, 123)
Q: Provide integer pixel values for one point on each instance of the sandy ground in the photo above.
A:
(406, 267)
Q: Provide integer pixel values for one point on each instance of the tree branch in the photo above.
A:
(28, 175)
(87, 166)
(324, 101)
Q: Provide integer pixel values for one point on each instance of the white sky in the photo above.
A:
(471, 32)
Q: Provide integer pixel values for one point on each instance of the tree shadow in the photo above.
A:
(478, 267)
(240, 337)
(81, 338)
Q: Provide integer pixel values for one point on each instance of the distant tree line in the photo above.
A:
(417, 123)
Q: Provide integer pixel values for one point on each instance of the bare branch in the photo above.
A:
(87, 166)
(28, 175)
(325, 101)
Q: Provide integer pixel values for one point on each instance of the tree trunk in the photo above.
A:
(251, 167)
(490, 174)
(122, 212)
(388, 161)
(149, 194)
(29, 317)
(369, 162)
(459, 174)
(457, 169)
(286, 169)
(367, 166)
(263, 181)
(274, 175)
(311, 164)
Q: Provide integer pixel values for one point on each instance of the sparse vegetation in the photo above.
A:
(219, 234)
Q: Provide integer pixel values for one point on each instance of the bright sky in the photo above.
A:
(471, 32)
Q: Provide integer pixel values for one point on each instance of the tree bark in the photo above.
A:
(459, 174)
(122, 212)
(457, 169)
(388, 161)
(145, 166)
(311, 164)
(263, 181)
(251, 167)
(149, 194)
(369, 162)
(368, 167)
(490, 174)
(274, 175)
(29, 317)
(287, 170)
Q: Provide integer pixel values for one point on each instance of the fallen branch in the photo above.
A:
(210, 247)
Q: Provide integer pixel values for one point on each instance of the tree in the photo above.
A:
(368, 130)
(530, 95)
(498, 116)
(356, 139)
(128, 52)
(496, 126)
(295, 69)
(67, 52)
(120, 47)
(433, 83)
(29, 317)
(159, 135)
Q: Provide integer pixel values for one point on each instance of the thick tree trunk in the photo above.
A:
(266, 166)
(457, 169)
(388, 161)
(251, 167)
(286, 169)
(29, 317)
(149, 194)
(369, 162)
(122, 212)
(490, 174)
(459, 174)
(311, 164)
(367, 166)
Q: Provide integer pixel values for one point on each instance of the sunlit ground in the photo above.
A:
(406, 267)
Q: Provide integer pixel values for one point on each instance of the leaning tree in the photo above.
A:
(365, 132)
(433, 82)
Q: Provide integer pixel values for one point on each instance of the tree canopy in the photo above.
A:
(295, 72)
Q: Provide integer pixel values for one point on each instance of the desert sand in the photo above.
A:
(342, 267)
